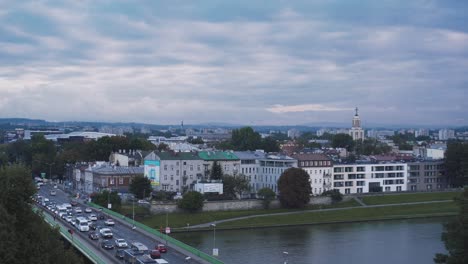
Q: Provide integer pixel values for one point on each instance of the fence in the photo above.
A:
(171, 240)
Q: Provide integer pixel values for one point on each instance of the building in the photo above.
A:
(421, 132)
(319, 167)
(250, 167)
(426, 175)
(356, 131)
(101, 176)
(446, 134)
(127, 158)
(363, 178)
(228, 161)
(173, 171)
(294, 133)
(436, 151)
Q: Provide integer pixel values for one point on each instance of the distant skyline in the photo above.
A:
(238, 62)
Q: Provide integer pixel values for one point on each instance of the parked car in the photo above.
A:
(88, 210)
(120, 253)
(107, 244)
(106, 233)
(93, 235)
(155, 254)
(109, 222)
(121, 243)
(162, 248)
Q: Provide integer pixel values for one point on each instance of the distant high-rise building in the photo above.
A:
(293, 133)
(421, 132)
(446, 134)
(356, 131)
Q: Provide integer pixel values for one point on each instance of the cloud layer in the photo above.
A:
(306, 62)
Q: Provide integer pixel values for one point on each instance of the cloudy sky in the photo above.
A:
(241, 62)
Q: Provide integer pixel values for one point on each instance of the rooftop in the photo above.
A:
(217, 155)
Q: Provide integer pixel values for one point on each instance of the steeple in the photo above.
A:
(356, 111)
(356, 130)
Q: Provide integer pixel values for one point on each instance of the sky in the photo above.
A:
(239, 62)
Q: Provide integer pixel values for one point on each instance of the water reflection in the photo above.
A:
(404, 241)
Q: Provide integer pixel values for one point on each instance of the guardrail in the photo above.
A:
(152, 231)
(75, 242)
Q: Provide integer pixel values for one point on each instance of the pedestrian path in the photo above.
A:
(359, 201)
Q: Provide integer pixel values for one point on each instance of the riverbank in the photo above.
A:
(368, 208)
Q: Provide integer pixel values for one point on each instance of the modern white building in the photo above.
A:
(364, 178)
(446, 134)
(320, 169)
(356, 131)
(262, 169)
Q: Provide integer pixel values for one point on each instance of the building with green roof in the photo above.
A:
(229, 162)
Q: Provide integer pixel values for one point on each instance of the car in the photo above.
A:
(106, 232)
(155, 254)
(53, 193)
(74, 203)
(109, 222)
(121, 243)
(55, 186)
(93, 235)
(78, 210)
(92, 217)
(143, 202)
(68, 218)
(120, 253)
(101, 216)
(88, 210)
(94, 226)
(162, 248)
(107, 244)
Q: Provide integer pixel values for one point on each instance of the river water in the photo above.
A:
(383, 242)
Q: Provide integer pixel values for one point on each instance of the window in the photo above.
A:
(398, 188)
(348, 183)
(165, 177)
(347, 191)
(351, 176)
(165, 167)
(177, 182)
(185, 163)
(387, 189)
(191, 167)
(361, 183)
(121, 180)
(111, 181)
(348, 169)
(198, 167)
(361, 169)
(338, 184)
(338, 169)
(338, 177)
(359, 190)
(177, 173)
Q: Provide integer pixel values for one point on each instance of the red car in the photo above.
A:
(155, 254)
(162, 248)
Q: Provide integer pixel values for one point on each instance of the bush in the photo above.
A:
(267, 195)
(192, 201)
(335, 195)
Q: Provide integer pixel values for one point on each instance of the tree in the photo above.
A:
(455, 235)
(294, 188)
(267, 195)
(456, 163)
(22, 230)
(216, 172)
(191, 201)
(234, 186)
(140, 187)
(245, 139)
(106, 197)
(343, 141)
(163, 147)
(269, 144)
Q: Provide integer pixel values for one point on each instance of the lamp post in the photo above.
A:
(133, 212)
(215, 250)
(50, 169)
(167, 222)
(286, 254)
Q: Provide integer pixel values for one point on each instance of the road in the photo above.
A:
(120, 230)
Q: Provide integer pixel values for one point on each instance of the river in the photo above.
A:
(384, 242)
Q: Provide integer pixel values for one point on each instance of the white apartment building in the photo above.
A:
(319, 167)
(263, 170)
(446, 134)
(363, 178)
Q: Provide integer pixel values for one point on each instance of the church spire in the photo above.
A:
(356, 109)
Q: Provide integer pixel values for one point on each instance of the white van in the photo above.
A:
(82, 224)
(161, 261)
(61, 211)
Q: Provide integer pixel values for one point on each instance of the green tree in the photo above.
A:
(294, 188)
(163, 147)
(25, 236)
(267, 196)
(140, 187)
(269, 144)
(106, 197)
(234, 186)
(191, 201)
(343, 141)
(197, 140)
(216, 172)
(455, 235)
(456, 163)
(246, 139)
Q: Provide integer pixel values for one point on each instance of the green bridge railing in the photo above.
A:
(169, 239)
(75, 242)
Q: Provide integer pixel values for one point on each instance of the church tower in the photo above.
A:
(356, 131)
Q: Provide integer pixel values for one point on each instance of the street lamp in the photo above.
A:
(286, 254)
(167, 222)
(50, 169)
(215, 250)
(133, 212)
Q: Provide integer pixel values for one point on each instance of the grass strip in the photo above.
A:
(409, 198)
(351, 215)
